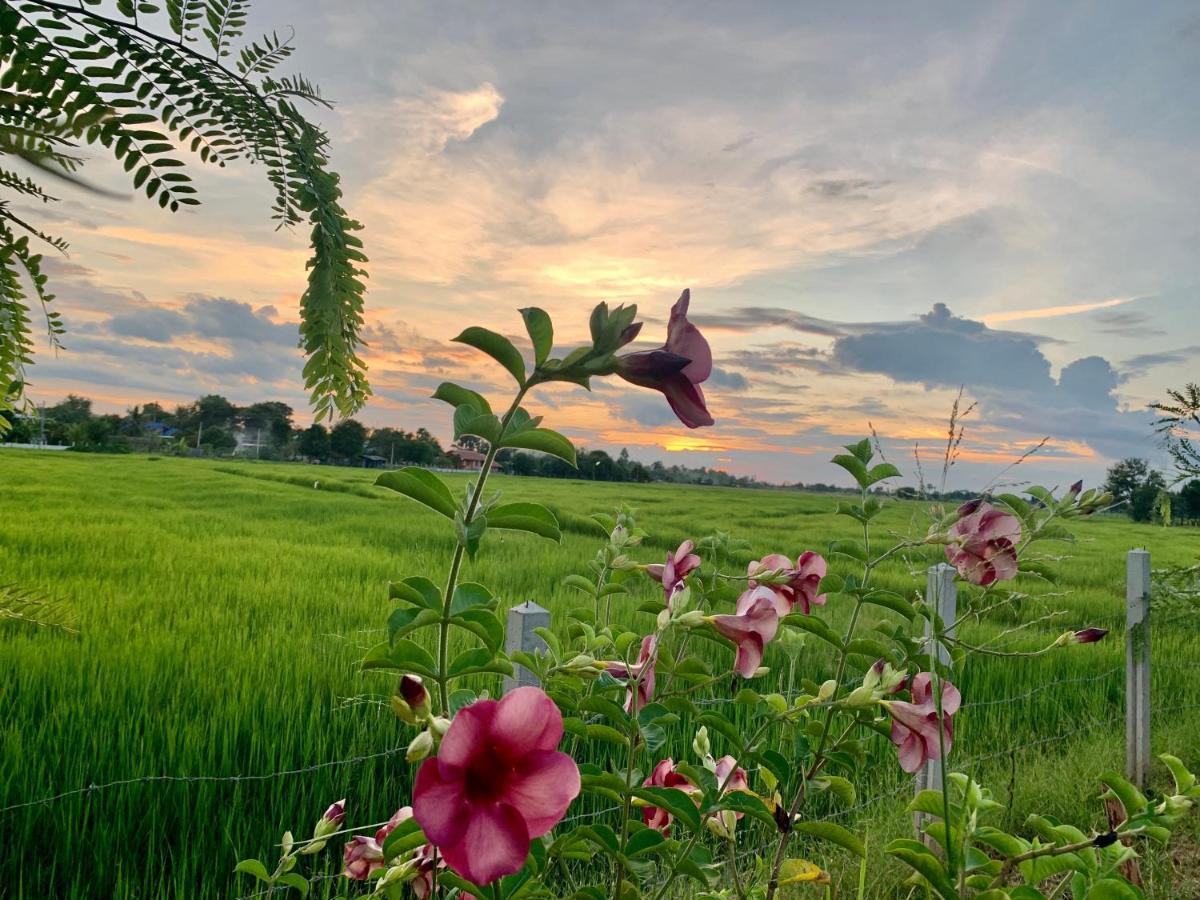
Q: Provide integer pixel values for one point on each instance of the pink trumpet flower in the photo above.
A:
(678, 566)
(664, 775)
(496, 783)
(915, 726)
(677, 368)
(983, 543)
(363, 855)
(1088, 635)
(642, 672)
(803, 580)
(751, 629)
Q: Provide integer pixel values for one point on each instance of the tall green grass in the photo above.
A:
(223, 607)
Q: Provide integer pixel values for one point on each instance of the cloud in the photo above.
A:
(1127, 323)
(205, 317)
(1144, 362)
(941, 349)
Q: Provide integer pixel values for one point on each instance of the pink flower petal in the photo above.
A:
(912, 753)
(685, 339)
(526, 720)
(542, 787)
(494, 844)
(468, 734)
(686, 400)
(440, 806)
(749, 656)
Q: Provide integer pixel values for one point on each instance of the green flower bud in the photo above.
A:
(421, 747)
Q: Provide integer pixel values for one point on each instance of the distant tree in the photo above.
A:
(154, 412)
(347, 439)
(522, 464)
(1129, 475)
(218, 440)
(1189, 501)
(270, 420)
(470, 442)
(134, 422)
(314, 442)
(74, 410)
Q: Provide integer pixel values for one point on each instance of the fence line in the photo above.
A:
(150, 779)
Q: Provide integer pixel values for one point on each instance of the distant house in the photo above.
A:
(372, 461)
(161, 429)
(471, 460)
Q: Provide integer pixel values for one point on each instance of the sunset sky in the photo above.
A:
(872, 204)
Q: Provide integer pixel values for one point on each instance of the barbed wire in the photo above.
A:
(186, 779)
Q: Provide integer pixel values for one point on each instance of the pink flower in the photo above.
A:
(915, 725)
(422, 884)
(983, 543)
(363, 855)
(1088, 635)
(751, 629)
(664, 775)
(678, 566)
(497, 781)
(803, 580)
(641, 672)
(737, 782)
(677, 369)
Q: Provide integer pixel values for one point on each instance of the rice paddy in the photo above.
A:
(222, 609)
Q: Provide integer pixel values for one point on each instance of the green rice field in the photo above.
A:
(223, 606)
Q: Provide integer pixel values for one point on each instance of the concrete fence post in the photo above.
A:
(941, 595)
(520, 635)
(1137, 666)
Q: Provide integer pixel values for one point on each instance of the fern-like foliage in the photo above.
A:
(147, 84)
(30, 608)
(1179, 424)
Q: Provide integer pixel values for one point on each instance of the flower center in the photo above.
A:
(486, 779)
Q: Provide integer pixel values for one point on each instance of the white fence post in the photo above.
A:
(520, 635)
(941, 595)
(1137, 666)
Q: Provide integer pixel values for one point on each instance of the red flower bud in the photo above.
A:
(1089, 635)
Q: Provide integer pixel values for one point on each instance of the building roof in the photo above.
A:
(466, 455)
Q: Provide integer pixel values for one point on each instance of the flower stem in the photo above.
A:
(460, 550)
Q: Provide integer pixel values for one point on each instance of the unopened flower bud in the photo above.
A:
(776, 703)
(664, 619)
(1074, 491)
(620, 563)
(1088, 635)
(700, 742)
(619, 536)
(828, 689)
(421, 747)
(761, 671)
(403, 711)
(439, 725)
(332, 819)
(693, 618)
(860, 696)
(722, 823)
(412, 690)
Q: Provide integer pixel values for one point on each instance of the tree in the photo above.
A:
(1127, 476)
(1180, 428)
(74, 410)
(271, 419)
(347, 439)
(138, 82)
(1189, 501)
(218, 439)
(314, 442)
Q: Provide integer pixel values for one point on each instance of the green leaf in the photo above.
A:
(580, 584)
(881, 472)
(470, 534)
(862, 450)
(408, 618)
(417, 590)
(855, 467)
(531, 517)
(404, 837)
(484, 624)
(1112, 889)
(295, 880)
(543, 440)
(457, 395)
(470, 595)
(835, 834)
(840, 787)
(1131, 798)
(852, 549)
(480, 659)
(750, 805)
(1184, 779)
(497, 347)
(468, 420)
(420, 485)
(541, 332)
(405, 656)
(648, 840)
(892, 601)
(676, 802)
(921, 858)
(253, 867)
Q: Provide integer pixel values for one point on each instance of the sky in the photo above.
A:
(874, 205)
